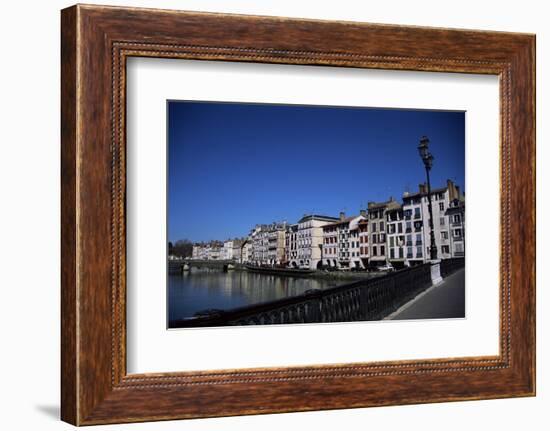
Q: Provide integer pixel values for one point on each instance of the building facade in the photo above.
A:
(389, 233)
(455, 214)
(341, 243)
(291, 245)
(226, 252)
(268, 244)
(378, 248)
(309, 241)
(363, 227)
(395, 231)
(417, 222)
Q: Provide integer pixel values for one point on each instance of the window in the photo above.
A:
(457, 233)
(409, 226)
(392, 253)
(381, 226)
(400, 253)
(400, 228)
(459, 247)
(445, 249)
(419, 251)
(409, 252)
(442, 221)
(444, 235)
(391, 241)
(418, 239)
(373, 227)
(382, 250)
(375, 251)
(441, 207)
(417, 212)
(456, 218)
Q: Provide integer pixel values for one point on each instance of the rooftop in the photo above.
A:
(317, 217)
(344, 220)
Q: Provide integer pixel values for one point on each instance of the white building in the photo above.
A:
(309, 240)
(291, 245)
(200, 251)
(456, 213)
(417, 222)
(226, 252)
(214, 251)
(246, 252)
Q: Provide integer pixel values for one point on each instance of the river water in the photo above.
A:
(202, 289)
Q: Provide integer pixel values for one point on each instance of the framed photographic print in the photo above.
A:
(258, 208)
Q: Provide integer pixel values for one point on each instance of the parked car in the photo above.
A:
(386, 267)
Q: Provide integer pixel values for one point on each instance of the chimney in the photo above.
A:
(453, 190)
(363, 213)
(342, 215)
(423, 188)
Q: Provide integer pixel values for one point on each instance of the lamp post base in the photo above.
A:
(435, 271)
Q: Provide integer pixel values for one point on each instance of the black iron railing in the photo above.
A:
(448, 266)
(371, 299)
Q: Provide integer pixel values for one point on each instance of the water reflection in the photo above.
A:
(202, 289)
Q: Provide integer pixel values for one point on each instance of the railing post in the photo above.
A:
(363, 303)
(313, 311)
(435, 271)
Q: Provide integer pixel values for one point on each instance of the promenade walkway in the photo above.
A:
(444, 301)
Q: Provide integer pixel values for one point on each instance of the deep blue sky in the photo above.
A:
(234, 165)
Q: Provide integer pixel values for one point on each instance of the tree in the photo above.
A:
(182, 248)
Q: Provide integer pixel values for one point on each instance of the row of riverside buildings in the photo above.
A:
(218, 250)
(387, 233)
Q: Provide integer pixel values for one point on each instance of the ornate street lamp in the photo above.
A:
(428, 158)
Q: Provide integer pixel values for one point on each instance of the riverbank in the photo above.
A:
(327, 275)
(177, 266)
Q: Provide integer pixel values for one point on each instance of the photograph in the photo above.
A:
(288, 214)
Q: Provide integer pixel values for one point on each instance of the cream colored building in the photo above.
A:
(268, 244)
(310, 240)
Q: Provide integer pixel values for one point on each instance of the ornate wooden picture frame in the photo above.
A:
(96, 41)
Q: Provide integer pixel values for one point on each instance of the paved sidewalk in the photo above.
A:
(444, 301)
